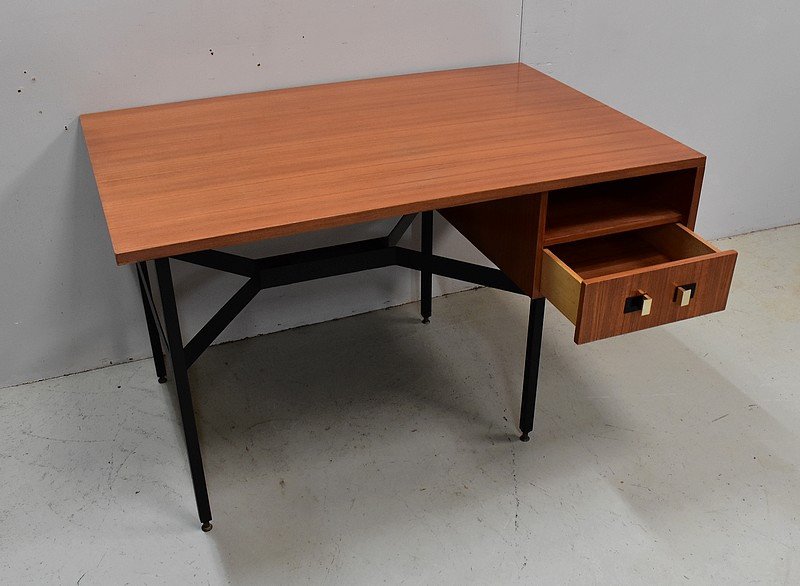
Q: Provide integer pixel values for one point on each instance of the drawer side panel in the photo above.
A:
(561, 286)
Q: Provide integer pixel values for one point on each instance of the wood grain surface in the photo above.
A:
(602, 301)
(589, 280)
(207, 173)
(618, 206)
(508, 231)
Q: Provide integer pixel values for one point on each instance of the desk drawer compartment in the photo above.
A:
(635, 280)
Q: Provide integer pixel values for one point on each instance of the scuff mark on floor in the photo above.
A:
(516, 487)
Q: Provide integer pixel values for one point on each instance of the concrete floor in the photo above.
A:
(374, 449)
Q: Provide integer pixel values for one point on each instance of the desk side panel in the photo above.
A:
(508, 231)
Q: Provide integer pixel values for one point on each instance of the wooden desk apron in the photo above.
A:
(572, 200)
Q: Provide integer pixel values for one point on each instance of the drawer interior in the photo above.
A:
(637, 249)
(625, 282)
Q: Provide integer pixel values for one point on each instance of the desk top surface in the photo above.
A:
(201, 174)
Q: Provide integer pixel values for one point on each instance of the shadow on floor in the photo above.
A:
(342, 428)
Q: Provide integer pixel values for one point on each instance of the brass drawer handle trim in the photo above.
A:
(647, 304)
(684, 293)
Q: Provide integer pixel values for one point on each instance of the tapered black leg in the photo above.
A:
(531, 376)
(427, 276)
(179, 372)
(152, 326)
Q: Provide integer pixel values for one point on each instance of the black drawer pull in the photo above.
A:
(642, 303)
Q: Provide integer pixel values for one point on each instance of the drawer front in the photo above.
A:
(602, 304)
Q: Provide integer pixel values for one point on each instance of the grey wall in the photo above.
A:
(720, 75)
(64, 305)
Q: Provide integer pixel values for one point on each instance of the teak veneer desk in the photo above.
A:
(572, 200)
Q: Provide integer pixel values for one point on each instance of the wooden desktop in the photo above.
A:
(572, 200)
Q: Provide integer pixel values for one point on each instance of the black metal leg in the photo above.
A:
(426, 274)
(298, 267)
(531, 376)
(152, 326)
(180, 374)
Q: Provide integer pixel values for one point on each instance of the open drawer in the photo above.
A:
(625, 282)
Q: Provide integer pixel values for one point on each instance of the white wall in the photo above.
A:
(720, 75)
(64, 305)
(723, 76)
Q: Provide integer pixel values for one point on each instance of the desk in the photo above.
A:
(572, 200)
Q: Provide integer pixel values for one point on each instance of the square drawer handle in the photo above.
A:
(684, 293)
(641, 302)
